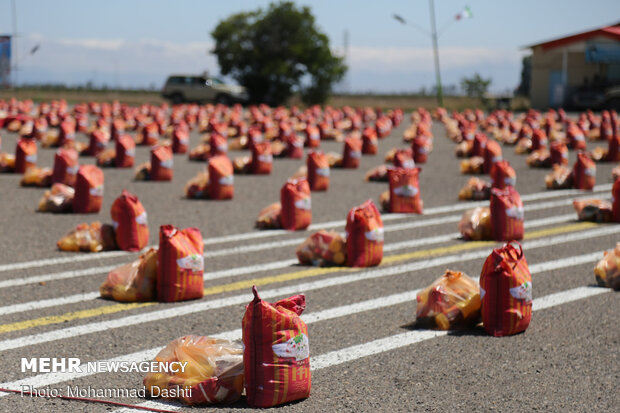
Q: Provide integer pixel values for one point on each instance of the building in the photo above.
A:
(570, 70)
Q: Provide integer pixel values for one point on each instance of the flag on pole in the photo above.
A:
(465, 14)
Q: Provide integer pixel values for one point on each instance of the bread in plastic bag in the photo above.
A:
(607, 270)
(475, 189)
(593, 210)
(322, 249)
(269, 217)
(133, 282)
(452, 301)
(540, 158)
(472, 166)
(93, 237)
(58, 199)
(378, 174)
(560, 177)
(196, 187)
(35, 176)
(475, 225)
(7, 162)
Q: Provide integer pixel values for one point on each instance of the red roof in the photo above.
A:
(612, 32)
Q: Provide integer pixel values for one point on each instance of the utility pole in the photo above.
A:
(14, 45)
(436, 53)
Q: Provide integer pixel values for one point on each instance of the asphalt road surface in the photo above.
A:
(363, 354)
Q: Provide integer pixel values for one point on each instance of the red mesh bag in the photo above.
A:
(66, 133)
(403, 158)
(318, 171)
(558, 153)
(502, 175)
(276, 353)
(313, 136)
(479, 144)
(161, 164)
(507, 214)
(25, 155)
(130, 222)
(97, 142)
(296, 205)
(492, 154)
(584, 172)
(370, 141)
(615, 201)
(180, 139)
(506, 292)
(405, 190)
(364, 230)
(180, 264)
(221, 178)
(383, 125)
(148, 135)
(88, 190)
(575, 137)
(539, 139)
(421, 147)
(352, 153)
(65, 167)
(613, 152)
(294, 147)
(125, 152)
(218, 145)
(262, 158)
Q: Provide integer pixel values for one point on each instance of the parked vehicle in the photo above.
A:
(181, 88)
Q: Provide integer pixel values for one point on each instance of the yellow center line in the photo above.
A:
(312, 272)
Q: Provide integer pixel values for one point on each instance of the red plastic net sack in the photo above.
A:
(125, 152)
(506, 291)
(421, 145)
(502, 175)
(613, 149)
(221, 178)
(615, 200)
(364, 236)
(313, 136)
(276, 353)
(296, 205)
(584, 172)
(507, 214)
(370, 142)
(25, 155)
(403, 158)
(262, 158)
(492, 154)
(352, 152)
(161, 164)
(97, 142)
(218, 145)
(318, 171)
(180, 138)
(130, 222)
(65, 167)
(133, 282)
(559, 153)
(88, 190)
(405, 190)
(180, 264)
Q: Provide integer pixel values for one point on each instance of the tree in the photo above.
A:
(277, 52)
(526, 76)
(475, 86)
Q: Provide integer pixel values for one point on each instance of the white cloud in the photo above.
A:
(94, 44)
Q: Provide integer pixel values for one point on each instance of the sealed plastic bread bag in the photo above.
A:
(451, 301)
(540, 158)
(506, 291)
(370, 142)
(472, 166)
(180, 265)
(475, 189)
(322, 249)
(615, 201)
(313, 136)
(218, 145)
(133, 282)
(39, 177)
(405, 190)
(196, 188)
(558, 153)
(269, 217)
(92, 237)
(58, 199)
(607, 270)
(125, 152)
(130, 222)
(584, 172)
(296, 205)
(221, 178)
(475, 225)
(88, 190)
(421, 145)
(492, 154)
(161, 164)
(503, 175)
(352, 152)
(276, 353)
(25, 155)
(364, 236)
(213, 373)
(318, 171)
(403, 158)
(97, 142)
(593, 210)
(65, 167)
(262, 158)
(507, 214)
(560, 177)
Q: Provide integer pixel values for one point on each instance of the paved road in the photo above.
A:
(364, 356)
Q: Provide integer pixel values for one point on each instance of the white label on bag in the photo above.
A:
(516, 212)
(265, 158)
(298, 347)
(322, 172)
(115, 225)
(496, 159)
(131, 153)
(314, 137)
(166, 164)
(192, 262)
(31, 158)
(409, 164)
(482, 293)
(580, 138)
(422, 150)
(297, 144)
(72, 170)
(375, 235)
(222, 148)
(406, 190)
(304, 203)
(101, 144)
(510, 181)
(522, 292)
(96, 191)
(590, 171)
(227, 180)
(142, 219)
(355, 154)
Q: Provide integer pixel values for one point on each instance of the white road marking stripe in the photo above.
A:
(187, 309)
(15, 282)
(331, 224)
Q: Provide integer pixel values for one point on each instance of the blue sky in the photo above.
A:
(139, 42)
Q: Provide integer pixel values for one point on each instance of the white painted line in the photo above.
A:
(52, 302)
(331, 224)
(16, 282)
(187, 309)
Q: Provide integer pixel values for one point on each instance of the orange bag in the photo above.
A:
(148, 135)
(405, 190)
(66, 133)
(507, 214)
(130, 222)
(180, 264)
(370, 142)
(296, 205)
(613, 149)
(584, 172)
(262, 158)
(539, 139)
(506, 292)
(313, 136)
(559, 153)
(161, 164)
(221, 178)
(65, 167)
(364, 236)
(125, 152)
(218, 145)
(421, 146)
(294, 147)
(180, 139)
(276, 353)
(133, 282)
(318, 171)
(575, 137)
(502, 175)
(615, 200)
(403, 158)
(352, 153)
(25, 155)
(88, 190)
(492, 154)
(97, 142)
(479, 144)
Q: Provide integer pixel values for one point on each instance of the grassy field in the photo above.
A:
(406, 102)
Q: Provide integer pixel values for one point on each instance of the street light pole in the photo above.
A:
(436, 53)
